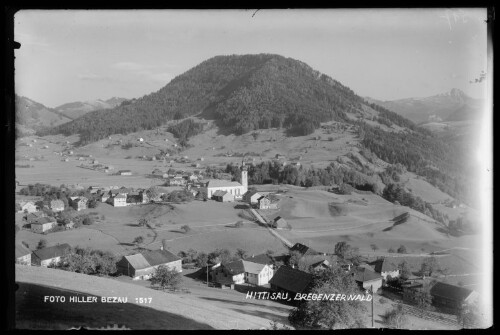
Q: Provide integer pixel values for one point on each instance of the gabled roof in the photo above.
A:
(250, 193)
(137, 261)
(383, 265)
(222, 183)
(364, 274)
(34, 216)
(56, 202)
(292, 280)
(52, 252)
(157, 257)
(448, 291)
(314, 260)
(252, 267)
(121, 196)
(260, 259)
(44, 220)
(303, 249)
(21, 250)
(235, 267)
(219, 193)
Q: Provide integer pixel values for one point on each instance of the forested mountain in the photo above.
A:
(454, 105)
(241, 92)
(76, 109)
(32, 116)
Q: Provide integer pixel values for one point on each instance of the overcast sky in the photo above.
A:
(69, 55)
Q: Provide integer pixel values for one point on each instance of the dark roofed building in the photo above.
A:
(233, 272)
(386, 267)
(223, 196)
(451, 296)
(304, 250)
(279, 223)
(291, 280)
(46, 256)
(367, 278)
(142, 265)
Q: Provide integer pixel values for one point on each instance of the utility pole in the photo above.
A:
(207, 274)
(372, 304)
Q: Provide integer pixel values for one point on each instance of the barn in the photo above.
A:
(142, 265)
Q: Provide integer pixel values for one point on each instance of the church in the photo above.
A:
(232, 187)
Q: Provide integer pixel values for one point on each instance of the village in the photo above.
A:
(289, 272)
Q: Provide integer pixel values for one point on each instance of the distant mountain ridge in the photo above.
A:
(74, 110)
(32, 116)
(453, 105)
(242, 93)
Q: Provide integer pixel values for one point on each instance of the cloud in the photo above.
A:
(146, 71)
(92, 77)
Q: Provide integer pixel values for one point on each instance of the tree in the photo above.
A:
(429, 266)
(138, 240)
(88, 220)
(240, 253)
(201, 259)
(402, 249)
(41, 244)
(330, 314)
(404, 270)
(142, 222)
(391, 250)
(374, 247)
(467, 316)
(153, 192)
(186, 228)
(342, 249)
(396, 317)
(164, 277)
(294, 258)
(92, 203)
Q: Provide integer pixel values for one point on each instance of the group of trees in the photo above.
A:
(185, 129)
(89, 261)
(201, 259)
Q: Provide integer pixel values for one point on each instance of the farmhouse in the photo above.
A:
(57, 205)
(26, 207)
(251, 197)
(367, 278)
(176, 181)
(386, 268)
(223, 196)
(265, 202)
(290, 280)
(256, 273)
(143, 265)
(229, 272)
(304, 249)
(43, 224)
(451, 296)
(23, 255)
(120, 200)
(315, 262)
(279, 223)
(125, 173)
(46, 256)
(232, 187)
(79, 203)
(32, 217)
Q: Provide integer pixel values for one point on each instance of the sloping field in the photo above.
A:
(169, 311)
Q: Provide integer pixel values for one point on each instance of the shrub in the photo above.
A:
(41, 244)
(391, 250)
(186, 228)
(402, 249)
(396, 317)
(88, 220)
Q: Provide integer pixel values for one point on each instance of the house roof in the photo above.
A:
(384, 265)
(314, 260)
(44, 220)
(303, 249)
(157, 257)
(34, 216)
(260, 259)
(52, 252)
(121, 196)
(56, 202)
(364, 274)
(448, 291)
(292, 280)
(235, 267)
(212, 183)
(21, 250)
(280, 221)
(219, 193)
(250, 193)
(252, 267)
(137, 261)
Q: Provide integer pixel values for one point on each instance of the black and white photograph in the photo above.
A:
(252, 169)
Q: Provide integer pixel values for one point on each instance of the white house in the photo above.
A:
(120, 200)
(57, 205)
(385, 267)
(26, 207)
(257, 274)
(43, 224)
(232, 187)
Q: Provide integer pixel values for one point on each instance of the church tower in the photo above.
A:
(244, 179)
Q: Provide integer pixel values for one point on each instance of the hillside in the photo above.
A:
(454, 105)
(242, 93)
(32, 116)
(74, 110)
(166, 310)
